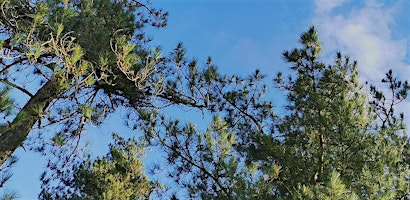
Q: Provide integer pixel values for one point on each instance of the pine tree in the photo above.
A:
(90, 57)
(6, 108)
(328, 145)
(83, 59)
(330, 133)
(328, 117)
(73, 50)
(118, 175)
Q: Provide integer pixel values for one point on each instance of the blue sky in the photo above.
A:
(242, 36)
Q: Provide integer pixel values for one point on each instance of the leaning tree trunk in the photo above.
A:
(16, 132)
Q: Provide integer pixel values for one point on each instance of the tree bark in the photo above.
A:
(17, 131)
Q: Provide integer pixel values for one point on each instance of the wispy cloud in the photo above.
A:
(365, 33)
(325, 6)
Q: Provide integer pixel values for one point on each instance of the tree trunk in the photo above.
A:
(320, 167)
(14, 135)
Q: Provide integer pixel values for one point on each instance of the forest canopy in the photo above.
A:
(78, 61)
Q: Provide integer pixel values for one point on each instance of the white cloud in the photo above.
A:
(325, 6)
(365, 33)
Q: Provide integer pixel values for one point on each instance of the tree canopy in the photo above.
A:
(337, 139)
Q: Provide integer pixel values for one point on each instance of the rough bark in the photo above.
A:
(13, 136)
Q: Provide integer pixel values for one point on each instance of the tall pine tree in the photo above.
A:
(330, 133)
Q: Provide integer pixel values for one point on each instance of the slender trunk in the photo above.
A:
(16, 132)
(320, 167)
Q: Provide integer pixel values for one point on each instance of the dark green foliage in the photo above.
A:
(327, 114)
(330, 130)
(6, 175)
(86, 58)
(6, 107)
(384, 105)
(118, 175)
(326, 146)
(90, 57)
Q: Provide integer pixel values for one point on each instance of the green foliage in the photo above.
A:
(5, 172)
(327, 145)
(59, 139)
(5, 176)
(90, 57)
(314, 147)
(384, 103)
(60, 45)
(206, 164)
(118, 175)
(6, 104)
(9, 196)
(6, 108)
(330, 134)
(328, 111)
(334, 189)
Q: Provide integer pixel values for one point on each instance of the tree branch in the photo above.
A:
(14, 135)
(16, 86)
